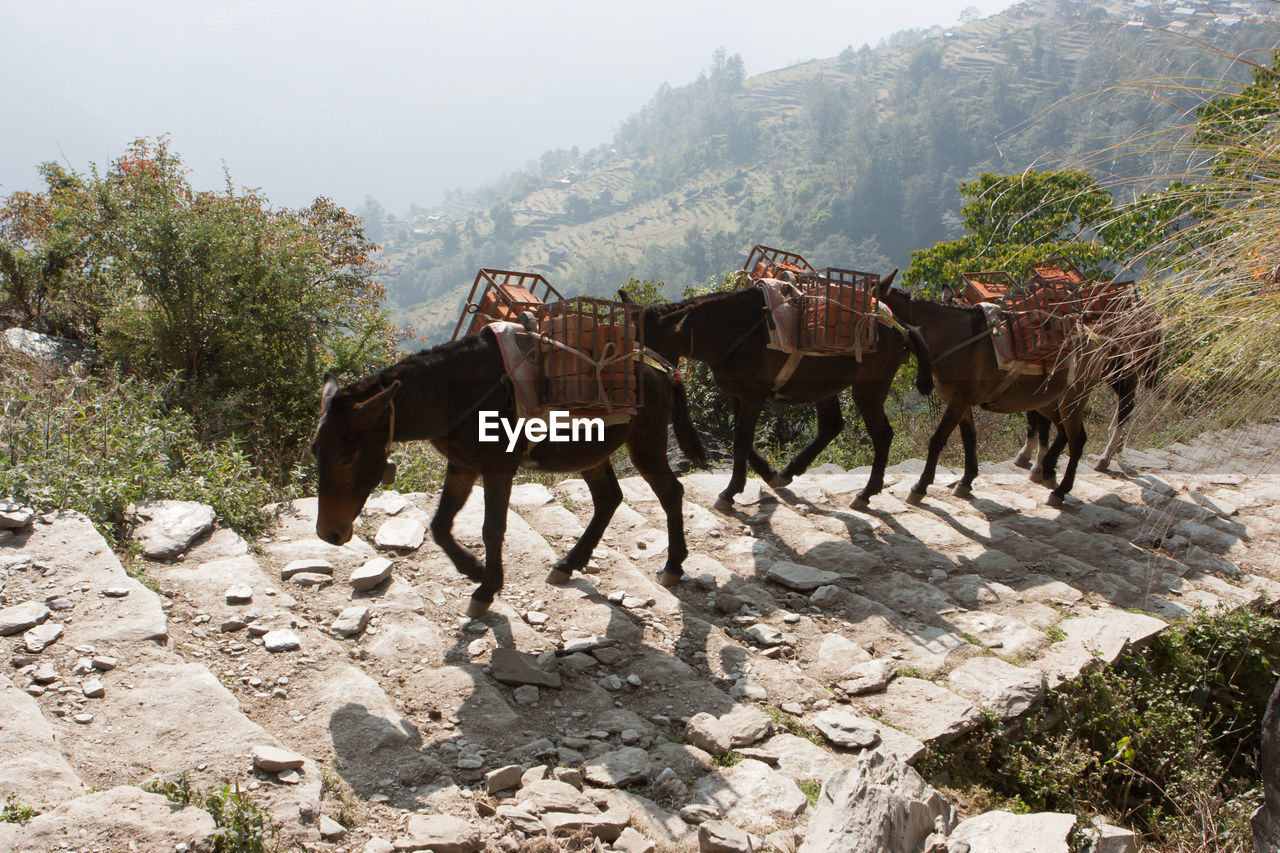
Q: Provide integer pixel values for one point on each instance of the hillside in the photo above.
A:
(854, 159)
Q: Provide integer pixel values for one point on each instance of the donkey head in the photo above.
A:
(350, 447)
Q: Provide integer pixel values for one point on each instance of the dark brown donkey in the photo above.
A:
(967, 374)
(437, 396)
(728, 332)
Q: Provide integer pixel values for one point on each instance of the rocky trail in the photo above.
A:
(341, 688)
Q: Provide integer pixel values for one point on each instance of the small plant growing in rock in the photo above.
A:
(15, 812)
(242, 826)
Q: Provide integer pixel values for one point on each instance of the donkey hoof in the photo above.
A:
(1036, 475)
(669, 579)
(476, 609)
(914, 498)
(1054, 499)
(559, 576)
(723, 504)
(1102, 465)
(779, 481)
(860, 503)
(1022, 462)
(961, 490)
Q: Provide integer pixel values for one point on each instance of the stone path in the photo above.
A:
(808, 638)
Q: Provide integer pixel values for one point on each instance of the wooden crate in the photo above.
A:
(1106, 299)
(1062, 282)
(991, 286)
(766, 262)
(838, 312)
(504, 296)
(1038, 331)
(587, 351)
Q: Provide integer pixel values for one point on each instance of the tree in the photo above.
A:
(245, 305)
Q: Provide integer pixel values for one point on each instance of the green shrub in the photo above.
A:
(96, 445)
(1168, 737)
(15, 812)
(242, 826)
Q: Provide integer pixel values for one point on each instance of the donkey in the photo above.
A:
(728, 332)
(967, 374)
(1137, 330)
(438, 395)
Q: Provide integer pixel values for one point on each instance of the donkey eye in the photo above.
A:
(346, 461)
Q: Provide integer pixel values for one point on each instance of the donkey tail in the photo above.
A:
(682, 424)
(924, 361)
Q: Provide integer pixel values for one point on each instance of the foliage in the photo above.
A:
(811, 788)
(242, 826)
(1167, 738)
(96, 445)
(239, 305)
(15, 812)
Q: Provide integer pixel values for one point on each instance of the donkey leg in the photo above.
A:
(744, 435)
(1045, 469)
(969, 437)
(650, 459)
(1075, 447)
(869, 398)
(1023, 459)
(830, 422)
(606, 495)
(453, 494)
(497, 497)
(950, 417)
(1126, 388)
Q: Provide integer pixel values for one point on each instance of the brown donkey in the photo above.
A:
(967, 374)
(438, 396)
(1137, 331)
(728, 332)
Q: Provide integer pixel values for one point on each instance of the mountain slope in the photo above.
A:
(853, 160)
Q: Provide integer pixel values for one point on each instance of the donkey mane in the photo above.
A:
(669, 308)
(421, 360)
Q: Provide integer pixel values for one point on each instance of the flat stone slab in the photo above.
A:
(440, 833)
(32, 769)
(869, 677)
(512, 667)
(281, 640)
(1000, 832)
(169, 528)
(922, 709)
(845, 729)
(799, 577)
(372, 573)
(400, 534)
(42, 636)
(619, 768)
(102, 821)
(22, 617)
(13, 515)
(999, 686)
(1100, 637)
(273, 759)
(311, 565)
(751, 794)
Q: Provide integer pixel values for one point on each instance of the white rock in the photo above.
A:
(273, 759)
(21, 617)
(281, 640)
(372, 573)
(799, 577)
(168, 528)
(311, 565)
(998, 686)
(351, 621)
(845, 729)
(41, 637)
(401, 534)
(1000, 832)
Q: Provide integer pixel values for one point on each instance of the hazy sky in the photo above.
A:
(398, 100)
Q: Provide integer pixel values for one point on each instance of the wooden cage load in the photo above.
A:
(986, 286)
(1062, 282)
(588, 349)
(505, 295)
(1107, 299)
(1038, 326)
(838, 312)
(764, 262)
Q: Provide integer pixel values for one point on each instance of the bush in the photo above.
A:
(242, 826)
(96, 445)
(1168, 738)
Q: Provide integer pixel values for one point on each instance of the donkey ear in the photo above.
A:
(366, 414)
(328, 389)
(885, 285)
(947, 293)
(623, 297)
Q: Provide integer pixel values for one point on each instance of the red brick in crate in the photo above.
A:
(505, 296)
(1061, 282)
(990, 286)
(590, 331)
(765, 262)
(1037, 328)
(839, 312)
